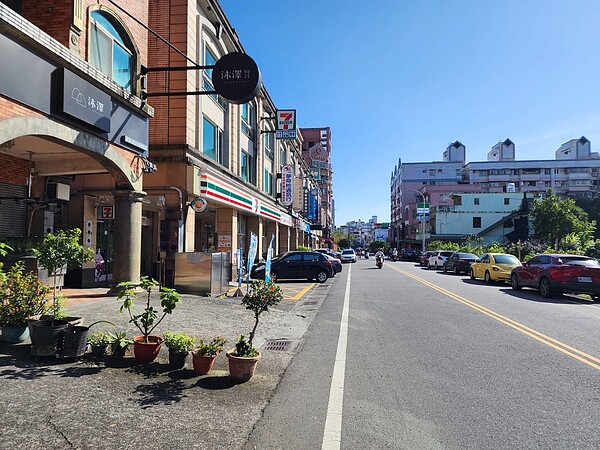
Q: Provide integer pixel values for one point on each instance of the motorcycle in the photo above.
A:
(366, 254)
(379, 262)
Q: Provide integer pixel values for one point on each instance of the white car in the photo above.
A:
(348, 255)
(437, 259)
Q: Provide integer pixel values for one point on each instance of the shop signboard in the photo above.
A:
(287, 185)
(285, 127)
(224, 243)
(298, 194)
(236, 77)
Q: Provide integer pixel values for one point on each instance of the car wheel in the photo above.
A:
(487, 277)
(321, 277)
(456, 271)
(445, 269)
(471, 274)
(545, 288)
(514, 282)
(273, 277)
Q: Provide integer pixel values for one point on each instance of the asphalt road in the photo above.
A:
(433, 360)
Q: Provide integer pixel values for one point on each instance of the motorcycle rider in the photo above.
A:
(395, 254)
(379, 254)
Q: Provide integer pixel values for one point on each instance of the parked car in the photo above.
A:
(408, 254)
(425, 258)
(494, 267)
(295, 265)
(437, 259)
(329, 252)
(459, 262)
(348, 255)
(559, 273)
(336, 263)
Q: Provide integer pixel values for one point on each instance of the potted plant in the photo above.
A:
(243, 358)
(205, 354)
(179, 345)
(99, 342)
(146, 346)
(119, 342)
(56, 253)
(22, 295)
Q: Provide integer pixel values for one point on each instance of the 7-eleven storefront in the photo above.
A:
(234, 213)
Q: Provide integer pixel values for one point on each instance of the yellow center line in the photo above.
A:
(546, 340)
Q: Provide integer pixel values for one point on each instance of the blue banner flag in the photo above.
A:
(268, 263)
(252, 252)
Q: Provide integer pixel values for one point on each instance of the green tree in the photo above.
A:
(554, 219)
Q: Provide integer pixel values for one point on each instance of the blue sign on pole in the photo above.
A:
(268, 263)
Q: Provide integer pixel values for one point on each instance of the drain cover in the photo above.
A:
(310, 303)
(277, 345)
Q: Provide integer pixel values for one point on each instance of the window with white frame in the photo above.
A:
(268, 181)
(109, 49)
(212, 142)
(245, 166)
(248, 119)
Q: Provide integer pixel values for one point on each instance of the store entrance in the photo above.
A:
(104, 251)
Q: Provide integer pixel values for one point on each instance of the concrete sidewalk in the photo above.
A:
(98, 402)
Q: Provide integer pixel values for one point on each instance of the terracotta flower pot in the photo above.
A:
(203, 364)
(145, 352)
(241, 369)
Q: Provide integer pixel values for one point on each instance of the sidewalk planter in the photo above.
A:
(146, 352)
(74, 341)
(117, 352)
(14, 334)
(241, 369)
(203, 364)
(98, 350)
(47, 337)
(71, 321)
(177, 359)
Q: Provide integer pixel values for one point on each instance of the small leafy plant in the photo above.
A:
(99, 338)
(210, 348)
(147, 321)
(22, 295)
(179, 342)
(119, 339)
(244, 349)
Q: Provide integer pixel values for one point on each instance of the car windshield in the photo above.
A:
(446, 254)
(466, 255)
(347, 252)
(578, 261)
(506, 259)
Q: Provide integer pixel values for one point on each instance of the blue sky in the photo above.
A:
(401, 79)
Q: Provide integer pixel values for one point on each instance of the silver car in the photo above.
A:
(437, 259)
(348, 255)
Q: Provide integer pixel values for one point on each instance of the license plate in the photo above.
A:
(584, 279)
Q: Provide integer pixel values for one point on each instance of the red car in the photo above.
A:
(557, 273)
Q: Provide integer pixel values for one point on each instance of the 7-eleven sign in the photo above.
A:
(286, 120)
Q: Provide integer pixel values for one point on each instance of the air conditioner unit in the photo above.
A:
(594, 174)
(594, 187)
(59, 191)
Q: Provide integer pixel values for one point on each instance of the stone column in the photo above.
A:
(284, 239)
(272, 229)
(127, 236)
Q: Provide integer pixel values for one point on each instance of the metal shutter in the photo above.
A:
(13, 214)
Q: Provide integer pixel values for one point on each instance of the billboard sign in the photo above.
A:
(287, 185)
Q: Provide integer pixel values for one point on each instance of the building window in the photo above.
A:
(282, 157)
(212, 142)
(507, 201)
(268, 141)
(432, 172)
(476, 201)
(109, 51)
(476, 222)
(248, 119)
(245, 166)
(268, 182)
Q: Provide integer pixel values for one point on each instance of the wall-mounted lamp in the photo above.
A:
(218, 30)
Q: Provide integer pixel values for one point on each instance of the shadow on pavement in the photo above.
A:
(216, 383)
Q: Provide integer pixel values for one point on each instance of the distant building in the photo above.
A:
(573, 173)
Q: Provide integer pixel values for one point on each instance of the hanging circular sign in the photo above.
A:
(236, 78)
(198, 204)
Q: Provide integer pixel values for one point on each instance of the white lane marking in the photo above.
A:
(332, 437)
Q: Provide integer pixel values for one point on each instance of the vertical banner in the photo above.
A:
(240, 264)
(269, 257)
(252, 252)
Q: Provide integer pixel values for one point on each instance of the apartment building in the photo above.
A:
(316, 151)
(573, 173)
(74, 129)
(98, 130)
